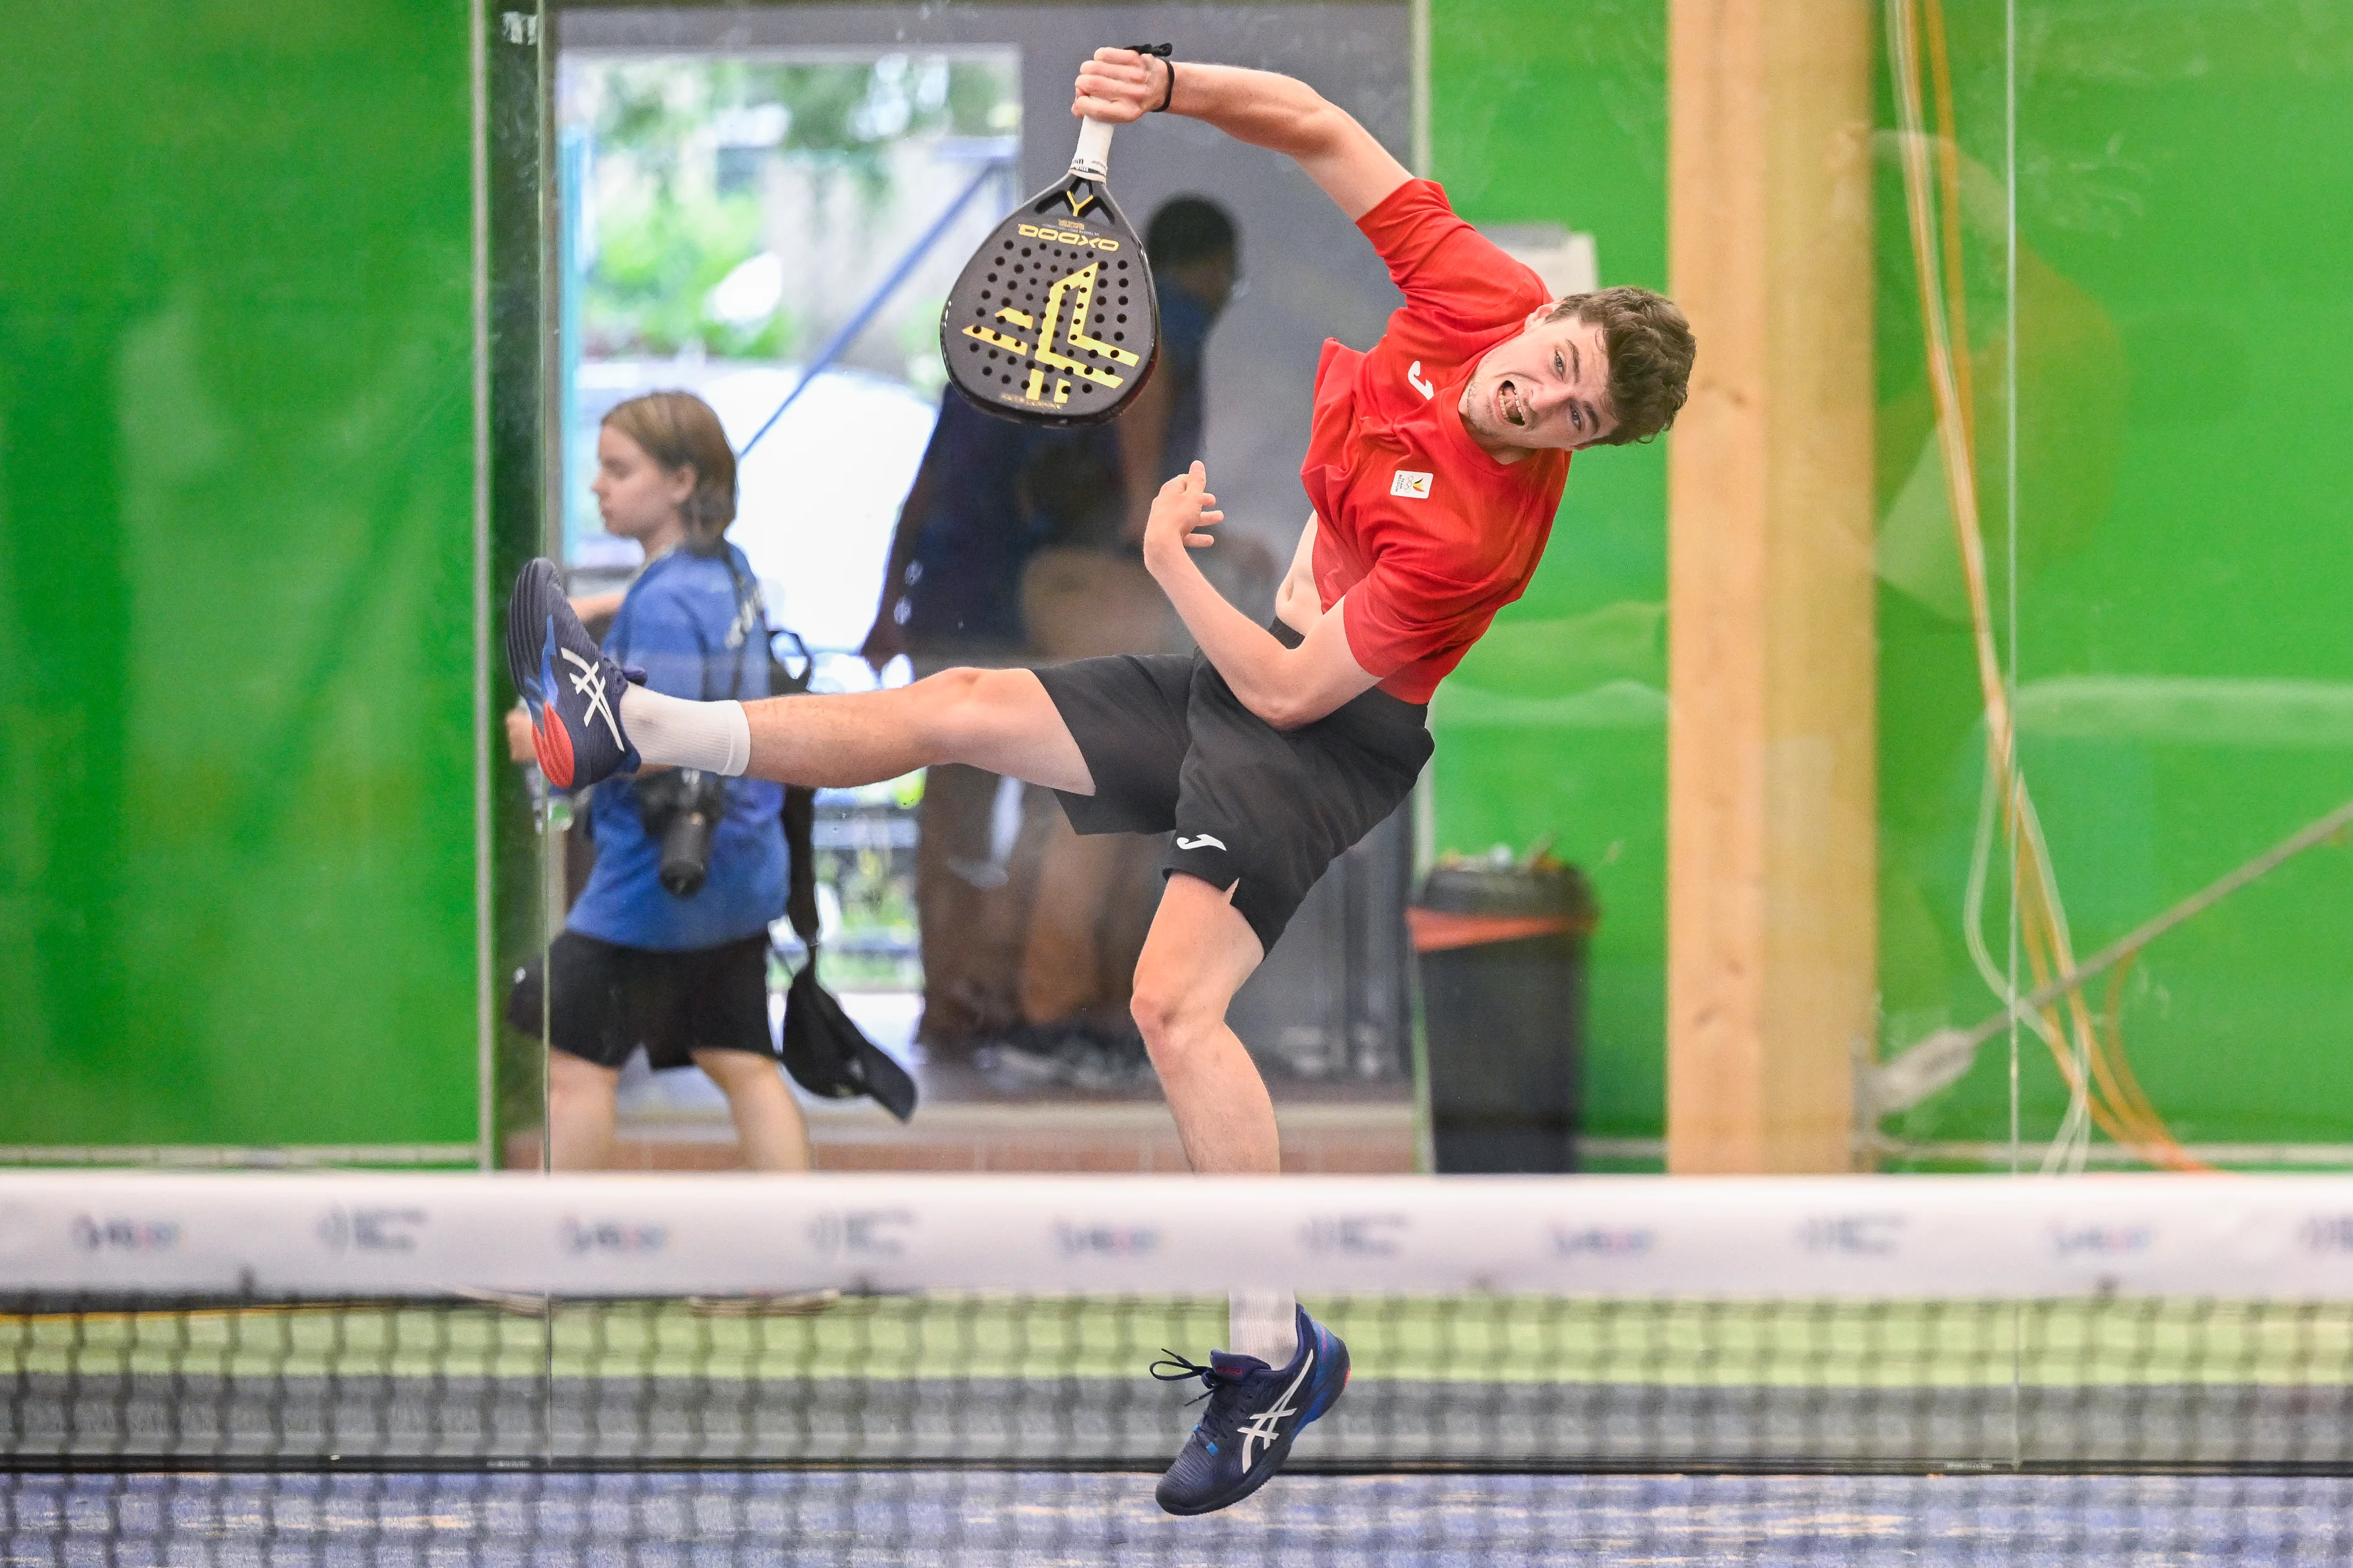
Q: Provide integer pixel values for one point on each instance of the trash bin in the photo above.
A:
(1501, 945)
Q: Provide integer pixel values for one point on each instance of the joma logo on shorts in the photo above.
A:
(1183, 843)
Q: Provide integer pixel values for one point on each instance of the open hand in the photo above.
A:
(1180, 512)
(1119, 86)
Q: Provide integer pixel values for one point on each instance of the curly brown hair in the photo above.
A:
(1650, 346)
(678, 430)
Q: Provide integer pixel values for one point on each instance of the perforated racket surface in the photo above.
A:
(1054, 320)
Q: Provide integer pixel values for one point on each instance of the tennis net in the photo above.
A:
(364, 1369)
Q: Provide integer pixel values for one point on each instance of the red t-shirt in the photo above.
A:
(1425, 534)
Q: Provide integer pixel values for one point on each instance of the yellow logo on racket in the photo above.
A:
(1067, 237)
(1078, 292)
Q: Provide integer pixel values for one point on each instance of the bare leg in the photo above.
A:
(1001, 719)
(1061, 969)
(967, 911)
(1197, 957)
(768, 1125)
(580, 1112)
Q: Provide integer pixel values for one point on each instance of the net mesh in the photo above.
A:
(847, 1370)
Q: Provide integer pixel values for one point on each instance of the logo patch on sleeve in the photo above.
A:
(1411, 484)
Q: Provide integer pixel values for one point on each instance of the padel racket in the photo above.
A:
(1054, 320)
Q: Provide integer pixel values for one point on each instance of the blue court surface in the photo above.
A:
(658, 1521)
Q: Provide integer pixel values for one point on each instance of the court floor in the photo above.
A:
(926, 1518)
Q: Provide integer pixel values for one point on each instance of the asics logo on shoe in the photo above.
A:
(1262, 1427)
(1183, 843)
(590, 684)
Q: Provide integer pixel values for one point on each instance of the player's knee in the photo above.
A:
(948, 698)
(571, 1078)
(1166, 1014)
(738, 1072)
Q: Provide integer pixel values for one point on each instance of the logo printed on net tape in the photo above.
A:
(2326, 1233)
(612, 1236)
(1411, 485)
(1597, 1241)
(371, 1229)
(116, 1233)
(1356, 1235)
(1099, 1240)
(865, 1233)
(2101, 1240)
(1854, 1235)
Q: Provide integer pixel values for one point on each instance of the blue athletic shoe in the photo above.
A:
(1255, 1411)
(572, 690)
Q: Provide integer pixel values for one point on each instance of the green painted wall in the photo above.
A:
(2184, 356)
(237, 874)
(1555, 724)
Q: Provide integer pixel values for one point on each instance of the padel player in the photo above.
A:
(1435, 468)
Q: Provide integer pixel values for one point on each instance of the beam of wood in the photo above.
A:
(1772, 785)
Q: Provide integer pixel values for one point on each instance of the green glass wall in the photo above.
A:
(2163, 570)
(2167, 600)
(237, 577)
(236, 542)
(1555, 724)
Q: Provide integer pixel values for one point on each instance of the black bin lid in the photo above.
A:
(1497, 885)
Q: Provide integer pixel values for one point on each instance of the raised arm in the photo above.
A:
(1258, 107)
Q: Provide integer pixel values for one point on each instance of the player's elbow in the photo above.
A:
(1322, 129)
(1291, 710)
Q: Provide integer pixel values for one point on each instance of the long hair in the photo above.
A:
(678, 430)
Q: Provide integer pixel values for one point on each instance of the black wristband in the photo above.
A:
(1164, 53)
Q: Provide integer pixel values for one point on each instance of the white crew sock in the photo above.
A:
(1263, 1324)
(712, 736)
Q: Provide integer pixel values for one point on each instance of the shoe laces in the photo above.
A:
(1217, 1382)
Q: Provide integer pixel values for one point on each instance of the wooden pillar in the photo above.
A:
(1772, 807)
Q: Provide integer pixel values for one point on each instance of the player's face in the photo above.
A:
(637, 497)
(1548, 388)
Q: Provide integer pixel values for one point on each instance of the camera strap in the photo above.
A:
(799, 813)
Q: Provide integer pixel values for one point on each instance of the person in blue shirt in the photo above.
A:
(685, 975)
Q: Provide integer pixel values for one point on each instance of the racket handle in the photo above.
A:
(1094, 157)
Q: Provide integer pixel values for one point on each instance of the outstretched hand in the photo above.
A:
(1180, 512)
(1119, 86)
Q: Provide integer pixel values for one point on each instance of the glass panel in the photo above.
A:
(237, 561)
(2182, 679)
(766, 208)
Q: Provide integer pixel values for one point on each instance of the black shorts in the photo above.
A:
(608, 1000)
(1254, 809)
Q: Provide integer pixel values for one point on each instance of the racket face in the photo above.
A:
(1054, 320)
